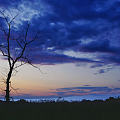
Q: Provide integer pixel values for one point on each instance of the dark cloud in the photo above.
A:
(70, 9)
(101, 46)
(87, 85)
(53, 58)
(71, 25)
(86, 91)
(9, 3)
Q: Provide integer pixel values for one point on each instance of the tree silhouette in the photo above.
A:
(13, 46)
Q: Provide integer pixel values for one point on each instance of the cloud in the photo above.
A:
(53, 58)
(86, 90)
(87, 85)
(9, 3)
(102, 46)
(89, 26)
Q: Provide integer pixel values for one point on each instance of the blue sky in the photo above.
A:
(76, 34)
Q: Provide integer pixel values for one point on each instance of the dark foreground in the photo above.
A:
(85, 110)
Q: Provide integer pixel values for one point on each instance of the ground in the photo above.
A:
(85, 110)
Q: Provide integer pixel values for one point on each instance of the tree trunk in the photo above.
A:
(7, 96)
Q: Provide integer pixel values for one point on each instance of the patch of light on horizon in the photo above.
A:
(86, 40)
(50, 48)
(80, 55)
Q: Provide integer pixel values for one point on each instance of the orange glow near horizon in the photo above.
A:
(32, 82)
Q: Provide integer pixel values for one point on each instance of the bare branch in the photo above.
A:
(6, 55)
(2, 13)
(3, 46)
(13, 19)
(21, 53)
(33, 39)
(8, 46)
(4, 16)
(13, 88)
(22, 63)
(26, 34)
(30, 63)
(18, 43)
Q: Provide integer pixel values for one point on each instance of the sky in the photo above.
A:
(77, 49)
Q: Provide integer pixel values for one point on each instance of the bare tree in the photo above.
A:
(13, 48)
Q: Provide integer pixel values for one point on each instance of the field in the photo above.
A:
(85, 110)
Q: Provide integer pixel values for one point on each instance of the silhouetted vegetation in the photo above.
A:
(84, 110)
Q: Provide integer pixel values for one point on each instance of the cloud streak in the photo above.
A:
(86, 90)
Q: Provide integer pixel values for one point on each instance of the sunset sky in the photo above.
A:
(78, 48)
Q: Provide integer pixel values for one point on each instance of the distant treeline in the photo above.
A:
(60, 99)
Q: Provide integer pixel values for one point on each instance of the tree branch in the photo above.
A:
(30, 63)
(6, 55)
(8, 46)
(13, 19)
(2, 13)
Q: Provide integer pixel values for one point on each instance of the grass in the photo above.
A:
(86, 110)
